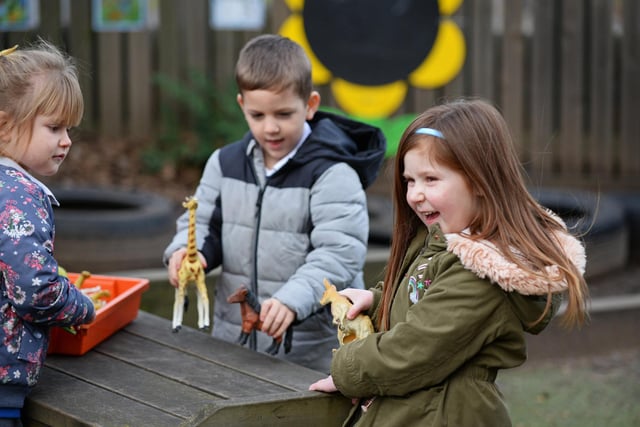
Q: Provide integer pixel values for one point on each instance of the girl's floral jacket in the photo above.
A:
(33, 296)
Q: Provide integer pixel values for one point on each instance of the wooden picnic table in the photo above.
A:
(146, 375)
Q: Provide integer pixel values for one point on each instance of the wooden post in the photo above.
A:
(512, 101)
(110, 84)
(601, 87)
(542, 145)
(630, 92)
(139, 85)
(572, 66)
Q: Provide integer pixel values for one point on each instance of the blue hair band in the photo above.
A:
(429, 131)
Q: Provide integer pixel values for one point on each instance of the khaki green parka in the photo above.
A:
(459, 315)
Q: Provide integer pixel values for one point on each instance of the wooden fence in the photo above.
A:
(566, 74)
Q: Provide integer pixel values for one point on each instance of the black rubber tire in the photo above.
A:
(598, 219)
(380, 219)
(105, 230)
(630, 202)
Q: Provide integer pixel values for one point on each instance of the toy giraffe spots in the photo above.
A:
(191, 270)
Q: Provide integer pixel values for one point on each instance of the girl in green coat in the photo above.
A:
(475, 263)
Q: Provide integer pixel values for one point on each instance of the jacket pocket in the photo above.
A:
(417, 409)
(32, 344)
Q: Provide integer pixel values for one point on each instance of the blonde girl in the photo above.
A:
(40, 99)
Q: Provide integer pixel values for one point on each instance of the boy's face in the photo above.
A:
(276, 119)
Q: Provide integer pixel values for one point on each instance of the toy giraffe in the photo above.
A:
(191, 270)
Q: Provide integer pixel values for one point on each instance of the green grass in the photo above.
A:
(590, 392)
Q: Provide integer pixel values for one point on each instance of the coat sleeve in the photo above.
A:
(338, 240)
(208, 217)
(448, 326)
(35, 290)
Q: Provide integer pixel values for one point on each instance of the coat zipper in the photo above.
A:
(253, 344)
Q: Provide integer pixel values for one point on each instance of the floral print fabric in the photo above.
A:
(33, 296)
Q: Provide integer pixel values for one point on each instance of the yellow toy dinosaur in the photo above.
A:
(348, 330)
(97, 294)
(191, 270)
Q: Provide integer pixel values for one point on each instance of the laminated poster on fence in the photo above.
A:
(124, 15)
(19, 15)
(247, 15)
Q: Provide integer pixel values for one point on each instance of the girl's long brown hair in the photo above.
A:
(478, 144)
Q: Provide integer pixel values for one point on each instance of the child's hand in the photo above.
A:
(174, 265)
(325, 384)
(276, 317)
(361, 299)
(176, 261)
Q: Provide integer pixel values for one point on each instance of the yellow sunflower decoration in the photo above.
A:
(371, 51)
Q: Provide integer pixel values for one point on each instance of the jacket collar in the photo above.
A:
(483, 258)
(10, 163)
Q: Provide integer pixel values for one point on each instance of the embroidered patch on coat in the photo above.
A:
(417, 287)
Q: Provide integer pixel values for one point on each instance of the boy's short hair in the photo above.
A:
(273, 62)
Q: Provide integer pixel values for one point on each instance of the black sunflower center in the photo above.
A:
(371, 42)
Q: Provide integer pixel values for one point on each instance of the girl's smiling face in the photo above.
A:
(437, 193)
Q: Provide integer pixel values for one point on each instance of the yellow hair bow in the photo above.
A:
(8, 51)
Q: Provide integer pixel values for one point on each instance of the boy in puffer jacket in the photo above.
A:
(284, 207)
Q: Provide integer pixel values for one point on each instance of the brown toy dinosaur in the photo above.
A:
(250, 311)
(348, 330)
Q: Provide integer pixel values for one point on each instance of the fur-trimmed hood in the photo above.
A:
(483, 258)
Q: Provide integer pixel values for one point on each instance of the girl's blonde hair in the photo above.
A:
(276, 63)
(478, 144)
(39, 80)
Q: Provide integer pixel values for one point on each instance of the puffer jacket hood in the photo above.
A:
(338, 138)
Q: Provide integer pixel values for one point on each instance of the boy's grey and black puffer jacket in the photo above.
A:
(311, 220)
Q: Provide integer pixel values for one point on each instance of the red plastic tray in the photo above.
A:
(121, 309)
